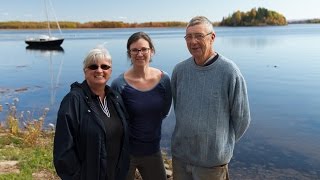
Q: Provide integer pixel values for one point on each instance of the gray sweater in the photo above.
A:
(212, 111)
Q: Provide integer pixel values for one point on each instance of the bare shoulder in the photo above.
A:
(156, 73)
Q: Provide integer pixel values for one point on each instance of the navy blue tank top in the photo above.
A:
(146, 111)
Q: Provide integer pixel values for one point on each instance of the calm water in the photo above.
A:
(281, 66)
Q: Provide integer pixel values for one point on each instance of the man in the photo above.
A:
(211, 107)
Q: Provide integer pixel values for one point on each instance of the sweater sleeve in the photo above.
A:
(118, 84)
(173, 86)
(239, 104)
(66, 160)
(168, 94)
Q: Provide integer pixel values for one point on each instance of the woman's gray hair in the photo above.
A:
(201, 20)
(95, 55)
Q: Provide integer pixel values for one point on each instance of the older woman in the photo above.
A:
(147, 96)
(91, 136)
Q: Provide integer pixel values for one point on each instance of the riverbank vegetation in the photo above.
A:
(254, 17)
(26, 145)
(77, 25)
(305, 21)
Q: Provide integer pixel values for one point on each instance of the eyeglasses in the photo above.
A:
(142, 50)
(197, 36)
(102, 66)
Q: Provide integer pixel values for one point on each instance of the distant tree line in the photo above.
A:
(76, 25)
(312, 21)
(254, 17)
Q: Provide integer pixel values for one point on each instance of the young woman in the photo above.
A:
(146, 93)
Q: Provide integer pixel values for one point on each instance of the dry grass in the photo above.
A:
(25, 148)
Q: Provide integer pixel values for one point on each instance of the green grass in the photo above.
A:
(31, 159)
(23, 139)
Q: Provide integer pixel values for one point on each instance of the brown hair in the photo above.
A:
(135, 37)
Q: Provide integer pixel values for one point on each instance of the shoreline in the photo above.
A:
(18, 29)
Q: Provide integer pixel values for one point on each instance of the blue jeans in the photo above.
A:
(186, 171)
(150, 167)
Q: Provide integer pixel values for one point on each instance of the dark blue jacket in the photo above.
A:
(80, 139)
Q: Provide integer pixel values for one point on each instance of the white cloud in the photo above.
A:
(122, 17)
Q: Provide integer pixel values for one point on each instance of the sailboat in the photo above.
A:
(46, 41)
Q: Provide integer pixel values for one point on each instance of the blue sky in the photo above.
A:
(145, 11)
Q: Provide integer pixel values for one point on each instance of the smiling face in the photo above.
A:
(140, 52)
(97, 73)
(200, 42)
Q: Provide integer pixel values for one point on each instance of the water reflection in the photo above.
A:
(252, 42)
(52, 54)
(44, 50)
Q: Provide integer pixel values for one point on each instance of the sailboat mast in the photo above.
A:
(48, 22)
(55, 17)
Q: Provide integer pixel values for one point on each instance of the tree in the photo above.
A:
(254, 17)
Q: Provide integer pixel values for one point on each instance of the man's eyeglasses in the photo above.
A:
(197, 36)
(142, 50)
(102, 66)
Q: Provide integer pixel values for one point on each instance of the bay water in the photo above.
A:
(280, 64)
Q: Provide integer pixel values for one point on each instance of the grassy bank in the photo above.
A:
(26, 148)
(20, 160)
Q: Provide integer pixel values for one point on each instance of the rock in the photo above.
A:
(169, 173)
(9, 167)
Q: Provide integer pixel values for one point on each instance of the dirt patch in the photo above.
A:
(10, 167)
(7, 167)
(44, 175)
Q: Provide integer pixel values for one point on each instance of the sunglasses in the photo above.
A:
(102, 66)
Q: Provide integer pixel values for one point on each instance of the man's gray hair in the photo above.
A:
(201, 20)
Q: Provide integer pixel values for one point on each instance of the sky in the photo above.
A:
(145, 11)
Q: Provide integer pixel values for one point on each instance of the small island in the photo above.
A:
(254, 17)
